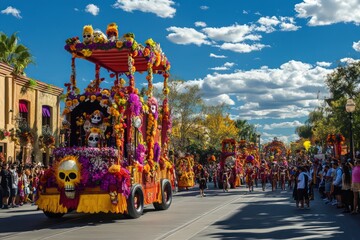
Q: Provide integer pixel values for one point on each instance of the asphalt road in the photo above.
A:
(236, 214)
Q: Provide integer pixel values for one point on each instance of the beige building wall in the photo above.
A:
(14, 88)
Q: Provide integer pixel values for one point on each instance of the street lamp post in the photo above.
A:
(350, 108)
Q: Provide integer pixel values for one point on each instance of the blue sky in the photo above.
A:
(266, 59)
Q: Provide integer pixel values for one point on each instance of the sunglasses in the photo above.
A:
(85, 36)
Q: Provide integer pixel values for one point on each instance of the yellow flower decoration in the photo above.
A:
(105, 92)
(82, 98)
(114, 168)
(66, 111)
(119, 44)
(146, 52)
(122, 101)
(150, 42)
(69, 103)
(86, 52)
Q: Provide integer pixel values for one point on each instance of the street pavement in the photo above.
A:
(236, 214)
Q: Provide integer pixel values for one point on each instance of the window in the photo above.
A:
(23, 111)
(46, 117)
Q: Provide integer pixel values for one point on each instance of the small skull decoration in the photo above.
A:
(94, 137)
(88, 34)
(112, 32)
(68, 175)
(153, 105)
(95, 120)
(99, 37)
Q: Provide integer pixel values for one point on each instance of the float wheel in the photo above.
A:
(166, 196)
(135, 202)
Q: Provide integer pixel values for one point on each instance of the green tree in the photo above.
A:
(16, 55)
(185, 103)
(219, 124)
(246, 131)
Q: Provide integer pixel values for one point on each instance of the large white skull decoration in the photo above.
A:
(68, 176)
(93, 139)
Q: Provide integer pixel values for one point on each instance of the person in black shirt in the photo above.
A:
(5, 179)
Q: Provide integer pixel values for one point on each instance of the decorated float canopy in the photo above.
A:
(113, 53)
(99, 117)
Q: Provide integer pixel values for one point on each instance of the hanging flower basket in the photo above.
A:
(4, 134)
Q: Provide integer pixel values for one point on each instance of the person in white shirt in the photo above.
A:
(303, 187)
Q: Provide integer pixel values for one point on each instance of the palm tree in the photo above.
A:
(14, 54)
(246, 131)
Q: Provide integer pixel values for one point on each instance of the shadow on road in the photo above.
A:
(274, 216)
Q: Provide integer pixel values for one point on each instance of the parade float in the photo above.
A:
(114, 155)
(185, 172)
(228, 163)
(276, 154)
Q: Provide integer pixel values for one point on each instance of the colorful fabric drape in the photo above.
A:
(46, 111)
(23, 107)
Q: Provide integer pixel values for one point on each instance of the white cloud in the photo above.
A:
(200, 24)
(212, 55)
(249, 105)
(269, 21)
(269, 137)
(242, 47)
(326, 12)
(323, 64)
(245, 12)
(76, 9)
(224, 67)
(288, 24)
(356, 46)
(235, 33)
(283, 125)
(186, 36)
(204, 7)
(269, 24)
(220, 99)
(12, 11)
(162, 8)
(289, 91)
(92, 9)
(348, 60)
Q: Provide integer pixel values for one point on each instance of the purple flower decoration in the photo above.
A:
(140, 153)
(135, 104)
(157, 152)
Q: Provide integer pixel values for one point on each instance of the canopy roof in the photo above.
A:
(116, 60)
(114, 56)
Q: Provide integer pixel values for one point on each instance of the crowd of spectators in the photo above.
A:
(338, 183)
(18, 184)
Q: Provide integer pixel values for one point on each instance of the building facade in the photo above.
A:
(29, 118)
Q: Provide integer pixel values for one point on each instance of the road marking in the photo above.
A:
(198, 224)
